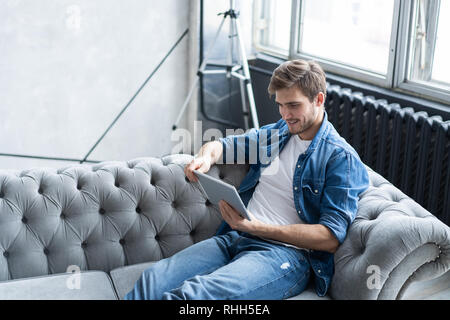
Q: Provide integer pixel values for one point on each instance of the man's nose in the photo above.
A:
(284, 113)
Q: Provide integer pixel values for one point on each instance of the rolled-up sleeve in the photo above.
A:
(236, 148)
(345, 180)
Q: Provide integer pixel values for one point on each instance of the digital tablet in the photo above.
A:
(217, 190)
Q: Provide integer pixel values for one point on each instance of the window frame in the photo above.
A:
(399, 59)
(404, 56)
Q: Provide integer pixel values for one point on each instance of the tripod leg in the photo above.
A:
(244, 104)
(241, 81)
(246, 71)
(201, 69)
(213, 43)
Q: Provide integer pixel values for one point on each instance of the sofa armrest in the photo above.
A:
(392, 243)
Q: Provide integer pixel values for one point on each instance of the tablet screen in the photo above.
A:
(217, 190)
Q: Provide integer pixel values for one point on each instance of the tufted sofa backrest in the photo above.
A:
(102, 216)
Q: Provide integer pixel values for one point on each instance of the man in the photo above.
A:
(301, 199)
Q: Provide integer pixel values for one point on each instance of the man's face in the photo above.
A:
(295, 108)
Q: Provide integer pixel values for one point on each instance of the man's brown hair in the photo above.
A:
(308, 76)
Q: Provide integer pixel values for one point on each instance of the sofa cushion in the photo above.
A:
(89, 285)
(309, 294)
(124, 278)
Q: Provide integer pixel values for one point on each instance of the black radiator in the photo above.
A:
(410, 149)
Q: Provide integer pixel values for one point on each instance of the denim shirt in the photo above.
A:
(328, 179)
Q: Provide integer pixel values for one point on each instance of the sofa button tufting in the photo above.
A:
(46, 252)
(207, 203)
(157, 238)
(24, 219)
(84, 244)
(122, 241)
(138, 210)
(6, 254)
(101, 211)
(40, 191)
(221, 176)
(116, 184)
(62, 216)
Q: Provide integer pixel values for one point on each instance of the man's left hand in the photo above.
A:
(236, 221)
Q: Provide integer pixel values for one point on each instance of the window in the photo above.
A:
(441, 65)
(425, 68)
(273, 24)
(367, 23)
(400, 44)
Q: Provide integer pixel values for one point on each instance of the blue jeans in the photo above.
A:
(231, 266)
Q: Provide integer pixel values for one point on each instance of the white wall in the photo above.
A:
(67, 68)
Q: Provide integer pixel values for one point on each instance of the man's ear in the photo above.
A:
(320, 99)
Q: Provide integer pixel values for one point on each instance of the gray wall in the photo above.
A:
(67, 68)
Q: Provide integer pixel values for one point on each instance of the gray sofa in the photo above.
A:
(88, 232)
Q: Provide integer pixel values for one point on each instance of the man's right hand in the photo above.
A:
(202, 164)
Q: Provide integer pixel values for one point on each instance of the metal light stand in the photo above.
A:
(230, 69)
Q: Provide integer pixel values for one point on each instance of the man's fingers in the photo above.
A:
(225, 215)
(229, 210)
(189, 168)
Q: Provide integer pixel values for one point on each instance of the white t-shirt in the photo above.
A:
(272, 201)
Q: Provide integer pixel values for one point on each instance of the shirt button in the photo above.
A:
(295, 188)
(298, 166)
(316, 191)
(299, 211)
(318, 270)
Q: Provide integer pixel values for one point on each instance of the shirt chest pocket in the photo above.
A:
(312, 187)
(312, 192)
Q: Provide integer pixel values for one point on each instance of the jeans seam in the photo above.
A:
(296, 284)
(266, 284)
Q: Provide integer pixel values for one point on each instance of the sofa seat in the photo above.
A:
(124, 279)
(92, 285)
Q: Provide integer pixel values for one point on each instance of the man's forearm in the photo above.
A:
(308, 236)
(211, 149)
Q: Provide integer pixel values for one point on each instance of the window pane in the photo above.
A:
(353, 32)
(441, 65)
(273, 24)
(430, 48)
